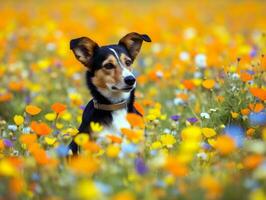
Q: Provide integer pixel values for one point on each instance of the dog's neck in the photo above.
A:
(104, 97)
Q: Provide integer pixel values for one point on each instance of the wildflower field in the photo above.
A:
(200, 87)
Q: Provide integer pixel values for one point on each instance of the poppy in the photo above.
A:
(58, 107)
(33, 110)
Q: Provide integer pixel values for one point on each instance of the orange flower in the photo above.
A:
(132, 135)
(176, 168)
(6, 97)
(40, 128)
(245, 111)
(188, 84)
(256, 107)
(33, 110)
(245, 77)
(225, 144)
(208, 84)
(16, 86)
(135, 120)
(212, 186)
(258, 92)
(17, 185)
(92, 147)
(84, 165)
(58, 107)
(115, 139)
(28, 139)
(252, 161)
(139, 108)
(250, 132)
(2, 145)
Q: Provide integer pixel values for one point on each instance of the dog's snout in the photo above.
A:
(130, 80)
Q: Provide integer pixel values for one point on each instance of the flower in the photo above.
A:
(40, 128)
(114, 138)
(257, 118)
(33, 110)
(96, 127)
(192, 120)
(28, 138)
(112, 151)
(86, 189)
(208, 84)
(62, 150)
(205, 115)
(81, 138)
(18, 119)
(208, 132)
(168, 140)
(135, 120)
(175, 117)
(140, 166)
(8, 143)
(50, 116)
(58, 107)
(50, 140)
(252, 161)
(258, 92)
(235, 132)
(234, 115)
(225, 144)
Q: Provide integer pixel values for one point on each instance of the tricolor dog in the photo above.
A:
(110, 80)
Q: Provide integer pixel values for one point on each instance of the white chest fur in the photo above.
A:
(119, 121)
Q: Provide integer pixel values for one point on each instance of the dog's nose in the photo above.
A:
(130, 80)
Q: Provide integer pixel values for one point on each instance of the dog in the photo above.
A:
(110, 80)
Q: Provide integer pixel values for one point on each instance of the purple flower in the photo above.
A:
(175, 117)
(8, 143)
(140, 166)
(192, 120)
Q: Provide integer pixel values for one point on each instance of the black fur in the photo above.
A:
(95, 115)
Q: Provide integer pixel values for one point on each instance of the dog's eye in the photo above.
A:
(128, 62)
(109, 66)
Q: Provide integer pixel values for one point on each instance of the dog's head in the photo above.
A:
(110, 65)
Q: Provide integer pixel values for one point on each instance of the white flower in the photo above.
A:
(202, 156)
(205, 115)
(12, 127)
(184, 56)
(200, 60)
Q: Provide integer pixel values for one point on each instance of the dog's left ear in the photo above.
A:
(133, 41)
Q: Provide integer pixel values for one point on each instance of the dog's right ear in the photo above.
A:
(83, 49)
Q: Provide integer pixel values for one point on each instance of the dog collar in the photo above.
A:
(110, 107)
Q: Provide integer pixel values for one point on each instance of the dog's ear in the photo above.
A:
(133, 41)
(83, 49)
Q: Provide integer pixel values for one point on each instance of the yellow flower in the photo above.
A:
(168, 140)
(18, 119)
(59, 125)
(50, 116)
(234, 114)
(81, 139)
(86, 189)
(208, 132)
(191, 133)
(96, 127)
(7, 169)
(66, 116)
(50, 140)
(156, 145)
(112, 151)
